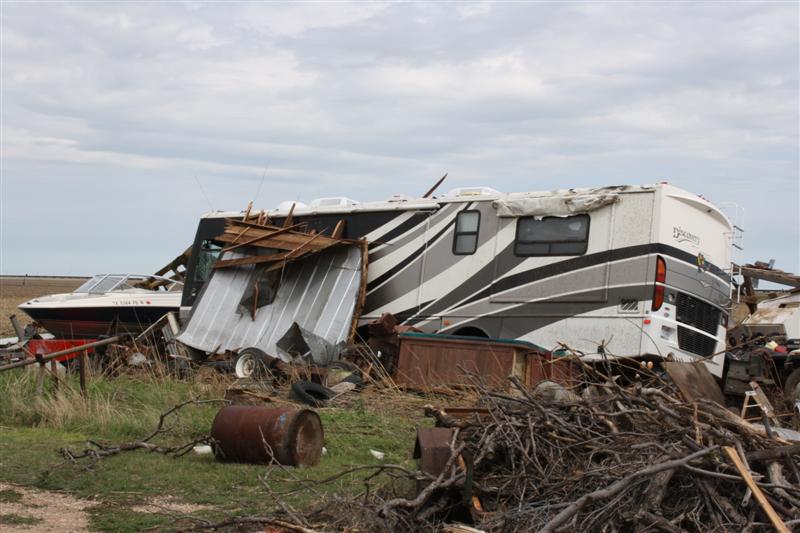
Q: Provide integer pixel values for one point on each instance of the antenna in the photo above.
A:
(202, 190)
(263, 177)
(436, 186)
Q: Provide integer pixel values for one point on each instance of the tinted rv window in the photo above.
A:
(552, 235)
(465, 239)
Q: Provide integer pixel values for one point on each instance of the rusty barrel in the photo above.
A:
(253, 434)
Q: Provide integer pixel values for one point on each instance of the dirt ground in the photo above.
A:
(24, 510)
(15, 290)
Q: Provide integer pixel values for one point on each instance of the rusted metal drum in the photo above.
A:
(253, 434)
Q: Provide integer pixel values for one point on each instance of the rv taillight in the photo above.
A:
(661, 277)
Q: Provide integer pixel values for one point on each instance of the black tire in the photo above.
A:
(253, 363)
(311, 394)
(790, 386)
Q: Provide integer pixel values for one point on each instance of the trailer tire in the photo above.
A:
(310, 393)
(791, 386)
(253, 363)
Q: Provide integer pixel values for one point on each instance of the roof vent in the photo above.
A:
(473, 191)
(337, 201)
(400, 198)
(285, 206)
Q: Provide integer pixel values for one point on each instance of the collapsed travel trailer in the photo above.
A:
(613, 271)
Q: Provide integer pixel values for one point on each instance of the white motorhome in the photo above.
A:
(642, 270)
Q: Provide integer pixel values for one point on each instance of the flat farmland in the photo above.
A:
(15, 290)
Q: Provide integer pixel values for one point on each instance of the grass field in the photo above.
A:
(15, 290)
(137, 490)
(33, 430)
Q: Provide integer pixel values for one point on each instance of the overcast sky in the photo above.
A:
(112, 113)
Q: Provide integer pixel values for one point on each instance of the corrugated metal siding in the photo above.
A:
(319, 293)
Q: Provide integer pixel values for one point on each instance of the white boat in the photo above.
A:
(107, 303)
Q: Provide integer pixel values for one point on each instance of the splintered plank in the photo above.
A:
(262, 237)
(338, 230)
(777, 523)
(286, 244)
(253, 231)
(293, 255)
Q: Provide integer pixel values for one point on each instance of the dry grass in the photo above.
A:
(15, 290)
(123, 406)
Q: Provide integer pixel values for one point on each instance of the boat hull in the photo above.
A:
(76, 323)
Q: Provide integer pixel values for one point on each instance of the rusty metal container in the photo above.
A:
(427, 360)
(254, 434)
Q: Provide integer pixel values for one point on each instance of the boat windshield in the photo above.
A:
(120, 282)
(100, 284)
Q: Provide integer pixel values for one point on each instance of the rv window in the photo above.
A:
(465, 238)
(552, 236)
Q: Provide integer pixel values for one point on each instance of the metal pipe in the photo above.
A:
(82, 372)
(17, 328)
(68, 351)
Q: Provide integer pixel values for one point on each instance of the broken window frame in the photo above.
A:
(551, 250)
(458, 234)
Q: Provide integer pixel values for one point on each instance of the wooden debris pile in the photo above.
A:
(613, 458)
(286, 243)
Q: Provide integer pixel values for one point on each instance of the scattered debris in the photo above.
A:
(170, 506)
(377, 455)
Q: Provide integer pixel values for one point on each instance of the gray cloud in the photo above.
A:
(113, 112)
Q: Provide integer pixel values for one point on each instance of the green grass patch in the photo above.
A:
(13, 519)
(123, 520)
(33, 430)
(10, 496)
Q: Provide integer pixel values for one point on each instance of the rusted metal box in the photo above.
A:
(428, 361)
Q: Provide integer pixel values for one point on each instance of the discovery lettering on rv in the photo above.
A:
(681, 235)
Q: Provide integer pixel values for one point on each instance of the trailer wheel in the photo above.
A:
(253, 363)
(791, 387)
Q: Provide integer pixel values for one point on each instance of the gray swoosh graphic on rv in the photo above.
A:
(440, 223)
(583, 291)
(382, 244)
(544, 313)
(714, 290)
(417, 230)
(405, 276)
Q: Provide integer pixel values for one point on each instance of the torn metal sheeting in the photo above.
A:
(432, 449)
(321, 295)
(297, 342)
